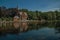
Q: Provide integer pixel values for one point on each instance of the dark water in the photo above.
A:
(34, 31)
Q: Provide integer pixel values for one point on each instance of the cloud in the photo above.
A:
(52, 6)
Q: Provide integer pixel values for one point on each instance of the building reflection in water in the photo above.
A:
(16, 27)
(21, 26)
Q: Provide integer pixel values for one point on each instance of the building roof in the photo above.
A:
(16, 16)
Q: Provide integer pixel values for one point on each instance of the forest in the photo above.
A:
(9, 13)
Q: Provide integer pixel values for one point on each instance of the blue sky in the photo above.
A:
(40, 5)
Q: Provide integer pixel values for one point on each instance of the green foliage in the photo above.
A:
(8, 14)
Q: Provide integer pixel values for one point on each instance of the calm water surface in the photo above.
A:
(34, 31)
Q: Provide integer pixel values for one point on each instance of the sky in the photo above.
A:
(33, 5)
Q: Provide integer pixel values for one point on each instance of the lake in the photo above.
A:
(31, 31)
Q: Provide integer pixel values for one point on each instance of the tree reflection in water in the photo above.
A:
(17, 27)
(57, 27)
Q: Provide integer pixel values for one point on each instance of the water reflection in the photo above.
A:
(21, 26)
(57, 27)
(35, 26)
(26, 31)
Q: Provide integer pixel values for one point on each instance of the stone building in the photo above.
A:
(20, 16)
(23, 15)
(17, 18)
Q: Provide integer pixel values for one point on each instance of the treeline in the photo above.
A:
(32, 15)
